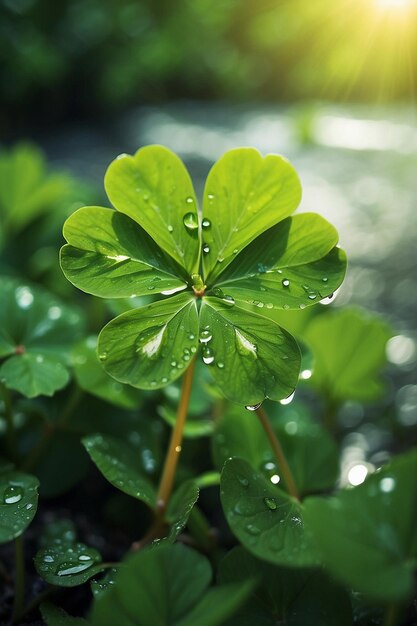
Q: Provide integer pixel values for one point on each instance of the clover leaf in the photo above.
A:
(36, 331)
(242, 250)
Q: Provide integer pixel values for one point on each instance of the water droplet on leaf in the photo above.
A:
(208, 355)
(190, 221)
(270, 503)
(12, 494)
(205, 336)
(253, 407)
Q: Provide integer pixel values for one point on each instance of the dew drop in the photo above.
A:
(271, 503)
(252, 530)
(220, 365)
(190, 221)
(235, 251)
(244, 346)
(208, 356)
(70, 567)
(205, 336)
(288, 399)
(12, 494)
(243, 481)
(325, 279)
(285, 282)
(103, 356)
(210, 196)
(253, 407)
(150, 342)
(84, 557)
(229, 300)
(329, 299)
(189, 200)
(170, 228)
(48, 558)
(206, 248)
(206, 224)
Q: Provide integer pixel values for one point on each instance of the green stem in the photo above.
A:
(285, 470)
(329, 415)
(8, 415)
(391, 615)
(19, 594)
(174, 450)
(171, 461)
(73, 402)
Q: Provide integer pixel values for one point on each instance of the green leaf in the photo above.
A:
(36, 332)
(18, 503)
(121, 465)
(291, 266)
(167, 586)
(34, 374)
(180, 507)
(151, 346)
(67, 564)
(250, 358)
(58, 531)
(217, 605)
(310, 451)
(92, 378)
(244, 195)
(267, 521)
(154, 189)
(26, 190)
(367, 535)
(55, 616)
(111, 256)
(291, 597)
(349, 351)
(100, 586)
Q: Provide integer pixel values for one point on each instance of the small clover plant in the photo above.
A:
(244, 248)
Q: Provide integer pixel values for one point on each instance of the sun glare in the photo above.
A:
(397, 5)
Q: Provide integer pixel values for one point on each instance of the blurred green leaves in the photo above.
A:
(168, 586)
(349, 353)
(36, 334)
(26, 188)
(367, 535)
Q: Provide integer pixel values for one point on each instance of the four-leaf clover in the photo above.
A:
(243, 249)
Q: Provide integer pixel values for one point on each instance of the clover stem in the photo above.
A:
(279, 454)
(8, 415)
(391, 615)
(174, 450)
(19, 595)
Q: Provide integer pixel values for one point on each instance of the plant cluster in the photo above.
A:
(218, 497)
